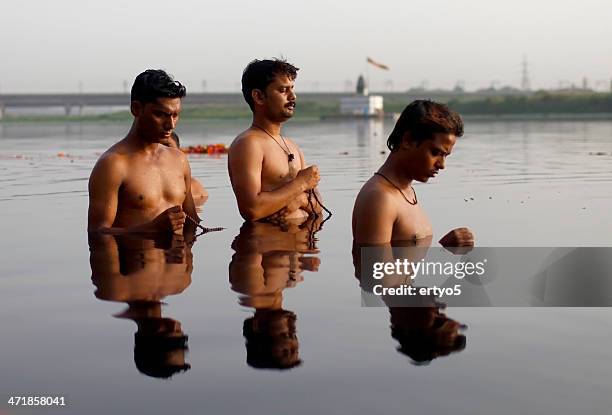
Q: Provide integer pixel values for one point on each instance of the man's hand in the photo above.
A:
(309, 177)
(310, 263)
(171, 219)
(298, 203)
(460, 237)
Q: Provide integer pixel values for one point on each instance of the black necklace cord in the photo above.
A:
(204, 229)
(400, 190)
(312, 193)
(286, 149)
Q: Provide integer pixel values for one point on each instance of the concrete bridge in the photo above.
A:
(74, 103)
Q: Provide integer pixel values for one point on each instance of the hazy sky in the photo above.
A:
(56, 45)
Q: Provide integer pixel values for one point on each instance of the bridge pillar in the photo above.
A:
(2, 110)
(68, 109)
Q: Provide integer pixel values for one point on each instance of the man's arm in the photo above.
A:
(104, 183)
(245, 163)
(373, 218)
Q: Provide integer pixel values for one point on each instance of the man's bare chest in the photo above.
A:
(278, 170)
(147, 185)
(412, 223)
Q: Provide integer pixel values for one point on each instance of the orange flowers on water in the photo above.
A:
(210, 149)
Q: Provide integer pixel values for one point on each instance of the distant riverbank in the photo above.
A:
(573, 105)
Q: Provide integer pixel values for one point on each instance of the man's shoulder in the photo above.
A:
(111, 165)
(114, 156)
(248, 141)
(248, 136)
(374, 191)
(374, 197)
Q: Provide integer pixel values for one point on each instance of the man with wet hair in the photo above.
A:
(267, 170)
(387, 209)
(139, 185)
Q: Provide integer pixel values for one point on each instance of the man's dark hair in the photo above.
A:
(418, 341)
(260, 73)
(262, 341)
(152, 350)
(156, 83)
(421, 346)
(422, 119)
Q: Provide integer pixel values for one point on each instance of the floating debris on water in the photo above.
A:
(207, 149)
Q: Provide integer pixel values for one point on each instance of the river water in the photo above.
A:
(273, 317)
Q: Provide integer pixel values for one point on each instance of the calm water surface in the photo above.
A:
(273, 318)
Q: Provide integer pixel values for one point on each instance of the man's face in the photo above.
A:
(425, 160)
(156, 120)
(279, 98)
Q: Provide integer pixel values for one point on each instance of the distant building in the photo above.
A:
(362, 104)
(368, 106)
(362, 87)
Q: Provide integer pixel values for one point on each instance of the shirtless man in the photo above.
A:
(387, 210)
(267, 170)
(139, 185)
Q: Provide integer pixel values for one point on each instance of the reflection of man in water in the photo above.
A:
(418, 323)
(268, 170)
(271, 339)
(425, 333)
(198, 192)
(387, 209)
(141, 274)
(138, 185)
(267, 260)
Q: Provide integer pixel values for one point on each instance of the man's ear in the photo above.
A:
(407, 142)
(258, 96)
(136, 108)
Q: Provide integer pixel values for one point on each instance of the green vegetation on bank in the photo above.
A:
(306, 110)
(538, 105)
(110, 117)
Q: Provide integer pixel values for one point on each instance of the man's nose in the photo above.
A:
(170, 123)
(292, 95)
(440, 163)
